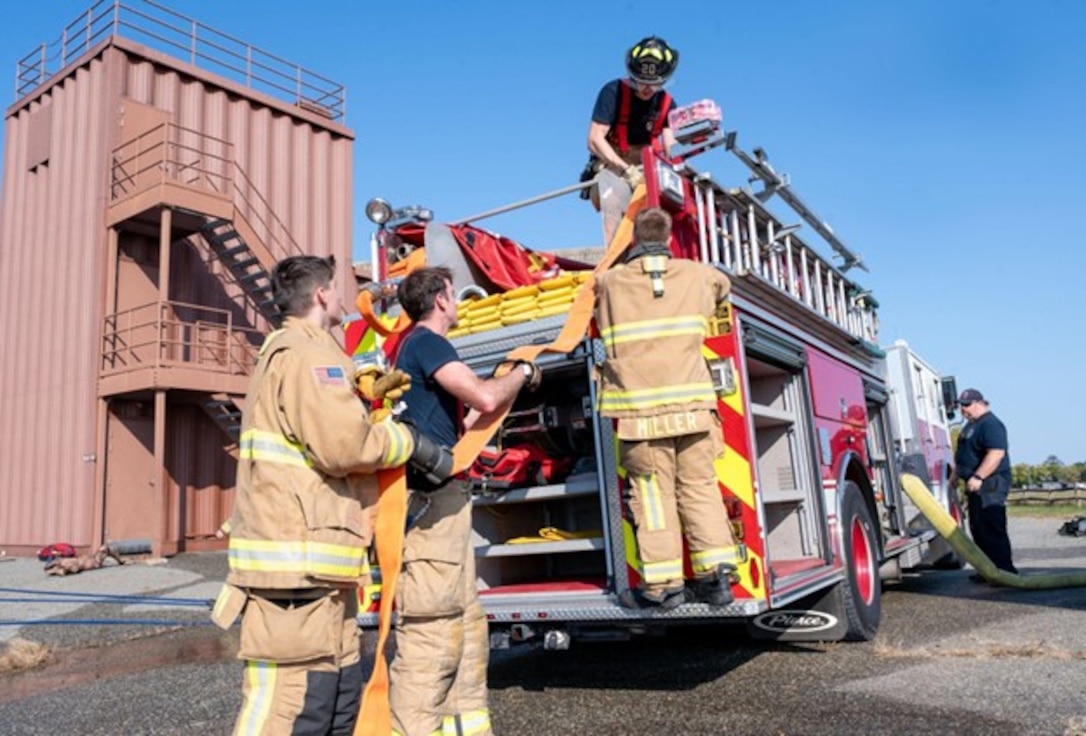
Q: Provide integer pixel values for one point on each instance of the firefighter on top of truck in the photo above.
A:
(629, 114)
(653, 315)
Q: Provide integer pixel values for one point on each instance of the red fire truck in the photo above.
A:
(807, 399)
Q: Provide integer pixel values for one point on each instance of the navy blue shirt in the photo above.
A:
(434, 410)
(642, 112)
(976, 439)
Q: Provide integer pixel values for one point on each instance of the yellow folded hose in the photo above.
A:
(970, 552)
(554, 534)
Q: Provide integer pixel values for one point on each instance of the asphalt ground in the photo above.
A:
(131, 653)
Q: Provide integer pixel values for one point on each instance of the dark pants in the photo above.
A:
(988, 523)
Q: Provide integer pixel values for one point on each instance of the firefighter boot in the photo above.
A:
(715, 589)
(664, 600)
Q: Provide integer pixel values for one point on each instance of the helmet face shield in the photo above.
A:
(651, 62)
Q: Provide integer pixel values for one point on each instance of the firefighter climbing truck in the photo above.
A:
(817, 419)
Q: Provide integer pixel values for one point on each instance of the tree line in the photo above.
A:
(1052, 470)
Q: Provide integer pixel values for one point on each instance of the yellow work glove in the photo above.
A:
(376, 385)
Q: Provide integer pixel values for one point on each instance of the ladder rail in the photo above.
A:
(771, 250)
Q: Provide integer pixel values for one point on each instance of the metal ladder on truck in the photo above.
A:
(738, 231)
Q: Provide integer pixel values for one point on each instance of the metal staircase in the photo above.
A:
(225, 410)
(243, 265)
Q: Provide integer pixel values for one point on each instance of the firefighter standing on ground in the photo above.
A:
(302, 522)
(653, 315)
(629, 114)
(438, 675)
(983, 462)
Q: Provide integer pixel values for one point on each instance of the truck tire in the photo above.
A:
(861, 591)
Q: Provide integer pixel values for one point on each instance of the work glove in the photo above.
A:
(374, 384)
(633, 177)
(433, 461)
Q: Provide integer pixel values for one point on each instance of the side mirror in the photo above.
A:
(950, 395)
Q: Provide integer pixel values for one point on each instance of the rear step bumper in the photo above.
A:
(597, 607)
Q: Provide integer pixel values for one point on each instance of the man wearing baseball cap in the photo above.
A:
(982, 460)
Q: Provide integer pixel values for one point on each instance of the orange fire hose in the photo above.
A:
(375, 717)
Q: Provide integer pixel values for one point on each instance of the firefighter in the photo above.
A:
(438, 675)
(629, 114)
(302, 518)
(653, 315)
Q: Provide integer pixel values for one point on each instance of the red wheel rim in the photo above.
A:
(861, 561)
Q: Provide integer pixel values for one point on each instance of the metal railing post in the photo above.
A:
(714, 233)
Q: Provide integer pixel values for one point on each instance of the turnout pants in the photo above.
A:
(303, 673)
(614, 196)
(672, 490)
(438, 674)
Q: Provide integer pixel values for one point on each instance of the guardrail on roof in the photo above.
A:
(162, 29)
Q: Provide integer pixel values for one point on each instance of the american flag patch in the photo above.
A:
(329, 375)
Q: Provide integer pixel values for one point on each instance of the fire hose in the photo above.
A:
(375, 718)
(968, 550)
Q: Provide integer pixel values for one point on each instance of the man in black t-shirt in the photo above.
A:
(442, 642)
(629, 114)
(982, 460)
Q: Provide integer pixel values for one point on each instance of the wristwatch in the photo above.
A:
(974, 475)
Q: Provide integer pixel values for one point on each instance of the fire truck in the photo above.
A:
(817, 419)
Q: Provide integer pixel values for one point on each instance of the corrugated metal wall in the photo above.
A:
(53, 244)
(52, 249)
(201, 472)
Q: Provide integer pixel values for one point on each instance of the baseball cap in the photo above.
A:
(969, 396)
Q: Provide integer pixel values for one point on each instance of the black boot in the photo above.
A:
(665, 601)
(715, 588)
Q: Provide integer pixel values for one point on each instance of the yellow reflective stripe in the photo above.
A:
(258, 444)
(661, 572)
(471, 722)
(615, 400)
(321, 558)
(651, 329)
(651, 502)
(268, 340)
(399, 445)
(220, 601)
(260, 678)
(708, 559)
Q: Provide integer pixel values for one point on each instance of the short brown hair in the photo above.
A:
(418, 291)
(652, 225)
(295, 280)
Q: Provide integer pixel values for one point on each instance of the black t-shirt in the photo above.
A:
(434, 410)
(976, 439)
(642, 112)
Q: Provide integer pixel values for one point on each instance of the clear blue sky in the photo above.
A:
(945, 141)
